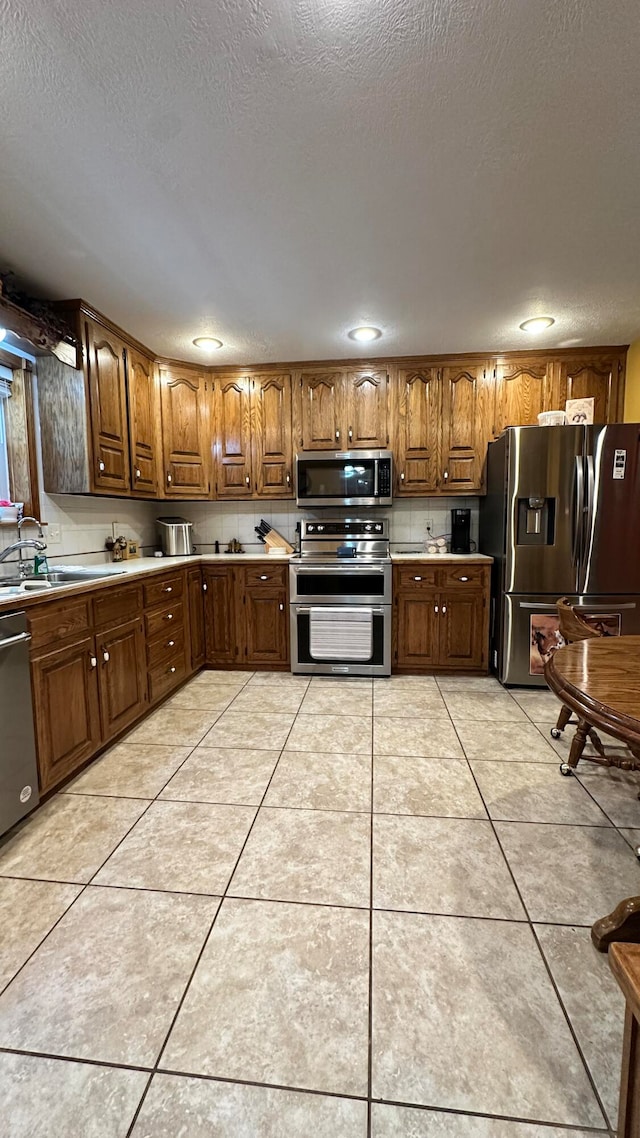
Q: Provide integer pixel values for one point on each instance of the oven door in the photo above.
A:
(305, 657)
(347, 479)
(346, 584)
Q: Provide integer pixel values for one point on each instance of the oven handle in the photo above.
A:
(305, 610)
(613, 609)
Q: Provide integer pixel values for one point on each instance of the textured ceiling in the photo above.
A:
(274, 172)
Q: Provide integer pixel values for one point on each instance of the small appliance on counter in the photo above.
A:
(175, 537)
(460, 531)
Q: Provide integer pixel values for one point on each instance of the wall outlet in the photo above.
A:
(53, 535)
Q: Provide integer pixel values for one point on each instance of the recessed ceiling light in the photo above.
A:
(537, 324)
(364, 334)
(207, 343)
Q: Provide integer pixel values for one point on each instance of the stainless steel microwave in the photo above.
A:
(344, 478)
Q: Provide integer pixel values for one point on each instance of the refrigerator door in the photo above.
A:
(544, 499)
(529, 631)
(610, 553)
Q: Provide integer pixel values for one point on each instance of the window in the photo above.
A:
(18, 464)
(6, 375)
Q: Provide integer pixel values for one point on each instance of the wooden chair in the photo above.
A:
(572, 627)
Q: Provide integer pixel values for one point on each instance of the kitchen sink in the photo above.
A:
(67, 575)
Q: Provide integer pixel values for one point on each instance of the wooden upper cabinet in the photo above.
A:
(467, 421)
(320, 411)
(272, 449)
(143, 396)
(415, 418)
(233, 437)
(598, 378)
(523, 390)
(366, 409)
(186, 432)
(104, 363)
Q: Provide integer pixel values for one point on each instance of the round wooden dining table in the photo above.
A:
(599, 680)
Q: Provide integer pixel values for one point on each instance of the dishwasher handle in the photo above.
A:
(19, 639)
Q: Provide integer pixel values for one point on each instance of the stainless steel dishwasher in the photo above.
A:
(18, 770)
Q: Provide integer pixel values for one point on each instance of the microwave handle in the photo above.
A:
(376, 467)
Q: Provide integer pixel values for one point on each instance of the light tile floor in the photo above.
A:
(284, 907)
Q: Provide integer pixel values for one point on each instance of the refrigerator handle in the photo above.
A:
(578, 507)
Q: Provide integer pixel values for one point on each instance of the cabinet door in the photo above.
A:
(596, 378)
(366, 399)
(108, 403)
(186, 433)
(417, 627)
(143, 396)
(320, 410)
(415, 417)
(523, 390)
(467, 421)
(196, 588)
(233, 438)
(66, 710)
(220, 615)
(266, 622)
(462, 626)
(123, 676)
(272, 450)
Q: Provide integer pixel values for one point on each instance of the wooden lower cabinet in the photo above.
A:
(66, 709)
(196, 591)
(122, 677)
(220, 615)
(266, 622)
(441, 619)
(246, 616)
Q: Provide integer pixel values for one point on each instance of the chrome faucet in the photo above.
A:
(25, 543)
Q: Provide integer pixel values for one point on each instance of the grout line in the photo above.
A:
(370, 977)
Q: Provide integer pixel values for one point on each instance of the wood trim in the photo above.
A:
(21, 440)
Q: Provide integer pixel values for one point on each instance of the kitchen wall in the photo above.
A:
(223, 520)
(78, 526)
(632, 384)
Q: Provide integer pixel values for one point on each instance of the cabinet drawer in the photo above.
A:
(53, 623)
(171, 616)
(415, 577)
(166, 676)
(452, 576)
(268, 576)
(116, 606)
(170, 642)
(163, 588)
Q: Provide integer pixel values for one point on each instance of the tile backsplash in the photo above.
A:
(220, 521)
(78, 526)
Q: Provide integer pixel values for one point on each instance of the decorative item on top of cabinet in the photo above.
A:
(104, 368)
(416, 424)
(186, 431)
(143, 398)
(524, 388)
(467, 420)
(600, 377)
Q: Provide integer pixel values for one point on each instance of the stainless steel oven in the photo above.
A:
(340, 589)
(344, 478)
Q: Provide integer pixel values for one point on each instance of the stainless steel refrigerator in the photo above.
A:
(561, 518)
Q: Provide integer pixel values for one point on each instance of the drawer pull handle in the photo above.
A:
(417, 578)
(105, 656)
(170, 643)
(169, 616)
(264, 577)
(167, 589)
(172, 669)
(463, 578)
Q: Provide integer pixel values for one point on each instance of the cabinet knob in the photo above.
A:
(204, 587)
(288, 479)
(337, 435)
(138, 473)
(101, 466)
(248, 480)
(169, 616)
(170, 643)
(169, 479)
(264, 577)
(446, 475)
(172, 669)
(417, 578)
(435, 608)
(281, 607)
(463, 578)
(350, 434)
(444, 610)
(105, 656)
(168, 589)
(402, 476)
(94, 661)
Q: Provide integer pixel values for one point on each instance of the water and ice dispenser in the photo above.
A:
(536, 521)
